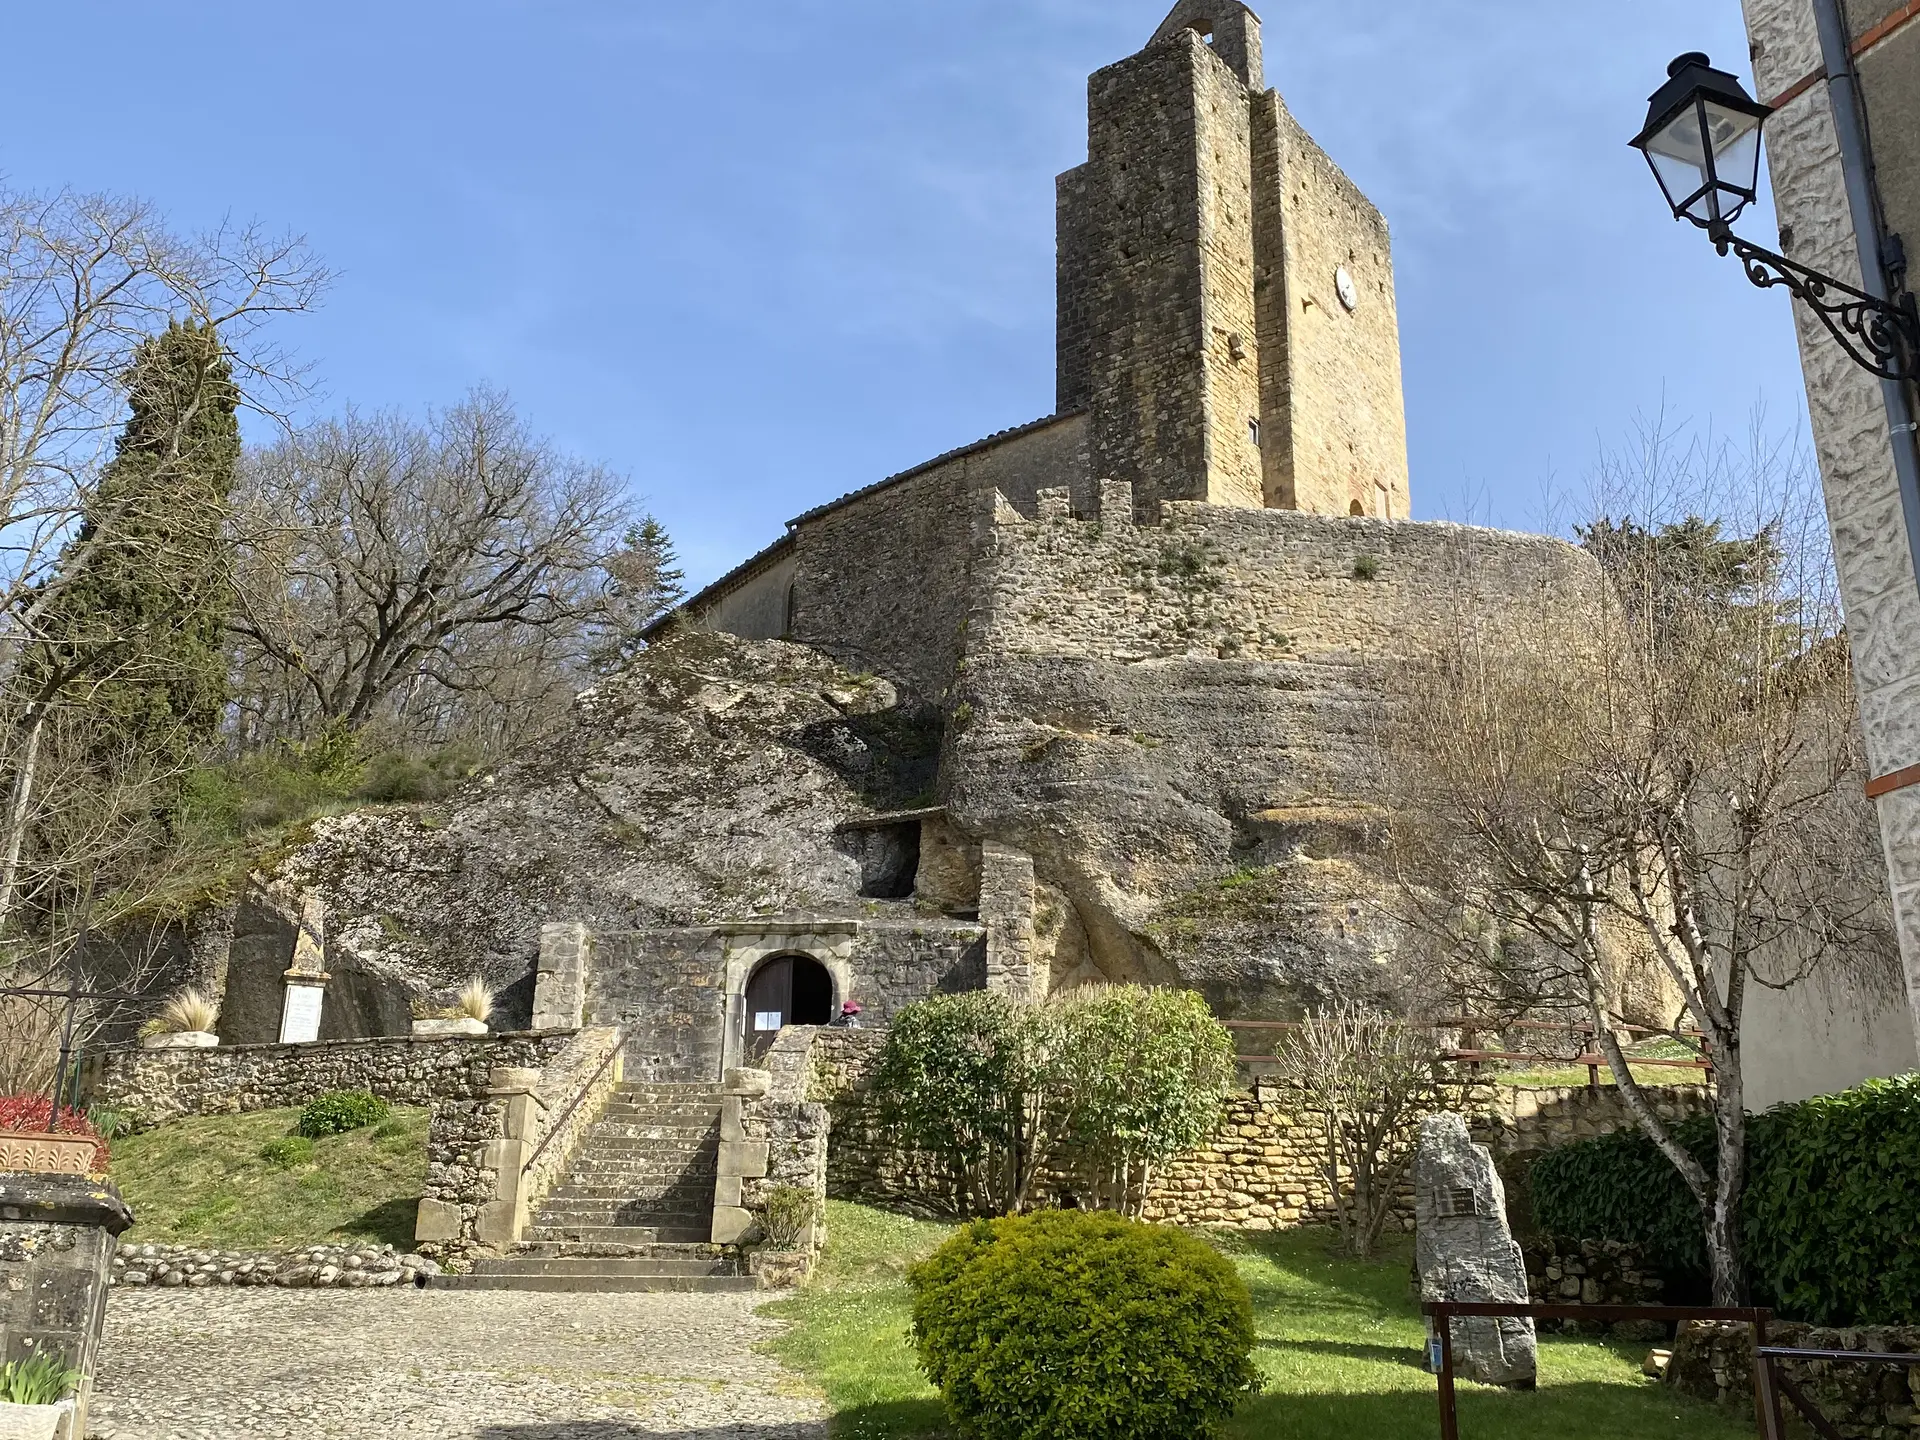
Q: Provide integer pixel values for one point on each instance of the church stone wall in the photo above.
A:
(757, 608)
(881, 579)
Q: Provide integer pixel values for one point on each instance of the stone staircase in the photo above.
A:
(635, 1210)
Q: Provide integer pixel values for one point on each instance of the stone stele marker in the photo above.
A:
(1466, 1252)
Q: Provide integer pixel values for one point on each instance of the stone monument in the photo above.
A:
(1465, 1251)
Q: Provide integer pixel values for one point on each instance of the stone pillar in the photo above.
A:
(1464, 1251)
(1006, 909)
(57, 1238)
(560, 977)
(503, 1219)
(741, 1159)
(306, 978)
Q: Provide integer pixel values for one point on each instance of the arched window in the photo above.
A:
(1354, 509)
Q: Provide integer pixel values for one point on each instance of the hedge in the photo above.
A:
(1831, 1205)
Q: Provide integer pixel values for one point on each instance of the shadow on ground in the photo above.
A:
(617, 1430)
(390, 1224)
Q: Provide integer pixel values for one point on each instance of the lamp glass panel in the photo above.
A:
(1736, 146)
(1679, 157)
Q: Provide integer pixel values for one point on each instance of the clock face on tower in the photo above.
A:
(1344, 287)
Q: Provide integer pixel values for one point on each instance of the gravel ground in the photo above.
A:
(486, 1365)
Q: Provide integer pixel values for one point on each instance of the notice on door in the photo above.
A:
(766, 1019)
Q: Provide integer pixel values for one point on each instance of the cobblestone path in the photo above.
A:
(485, 1365)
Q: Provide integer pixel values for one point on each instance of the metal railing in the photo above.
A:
(1474, 1057)
(1770, 1382)
(1442, 1313)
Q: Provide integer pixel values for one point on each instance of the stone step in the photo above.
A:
(622, 1189)
(618, 1189)
(666, 1122)
(574, 1207)
(646, 1147)
(601, 1284)
(545, 1264)
(614, 1178)
(621, 1250)
(679, 1231)
(688, 1223)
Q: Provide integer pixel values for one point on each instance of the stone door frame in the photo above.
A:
(747, 945)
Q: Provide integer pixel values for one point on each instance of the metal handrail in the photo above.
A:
(619, 1041)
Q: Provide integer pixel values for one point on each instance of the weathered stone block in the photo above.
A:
(731, 1224)
(436, 1220)
(744, 1157)
(748, 1082)
(726, 1192)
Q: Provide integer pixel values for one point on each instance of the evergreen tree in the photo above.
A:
(644, 582)
(130, 643)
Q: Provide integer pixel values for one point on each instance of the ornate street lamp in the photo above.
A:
(1702, 140)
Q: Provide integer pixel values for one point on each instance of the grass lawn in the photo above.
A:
(1341, 1346)
(203, 1182)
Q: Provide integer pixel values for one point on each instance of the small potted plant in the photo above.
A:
(40, 1397)
(184, 1023)
(35, 1141)
(467, 1015)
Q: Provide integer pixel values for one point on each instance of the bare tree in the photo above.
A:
(432, 577)
(1369, 1078)
(1670, 749)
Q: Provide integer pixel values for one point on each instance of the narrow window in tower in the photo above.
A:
(1253, 431)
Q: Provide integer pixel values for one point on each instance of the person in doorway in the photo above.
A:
(848, 1018)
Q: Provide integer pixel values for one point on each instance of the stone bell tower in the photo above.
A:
(1226, 299)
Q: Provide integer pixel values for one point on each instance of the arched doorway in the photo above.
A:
(786, 990)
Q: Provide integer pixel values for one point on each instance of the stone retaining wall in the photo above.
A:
(481, 1188)
(771, 1134)
(1590, 1272)
(153, 1086)
(1864, 1402)
(1261, 1172)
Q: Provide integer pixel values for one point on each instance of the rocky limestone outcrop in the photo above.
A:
(706, 782)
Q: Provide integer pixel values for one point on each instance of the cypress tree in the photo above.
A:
(131, 641)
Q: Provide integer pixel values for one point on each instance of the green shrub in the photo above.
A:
(41, 1380)
(339, 1111)
(288, 1153)
(785, 1213)
(1826, 1220)
(1073, 1325)
(1830, 1208)
(1100, 1088)
(1620, 1187)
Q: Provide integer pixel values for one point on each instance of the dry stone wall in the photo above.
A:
(1262, 1171)
(1863, 1402)
(154, 1086)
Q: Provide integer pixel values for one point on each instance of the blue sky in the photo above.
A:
(759, 254)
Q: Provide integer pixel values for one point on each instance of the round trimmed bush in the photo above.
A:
(339, 1111)
(1072, 1325)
